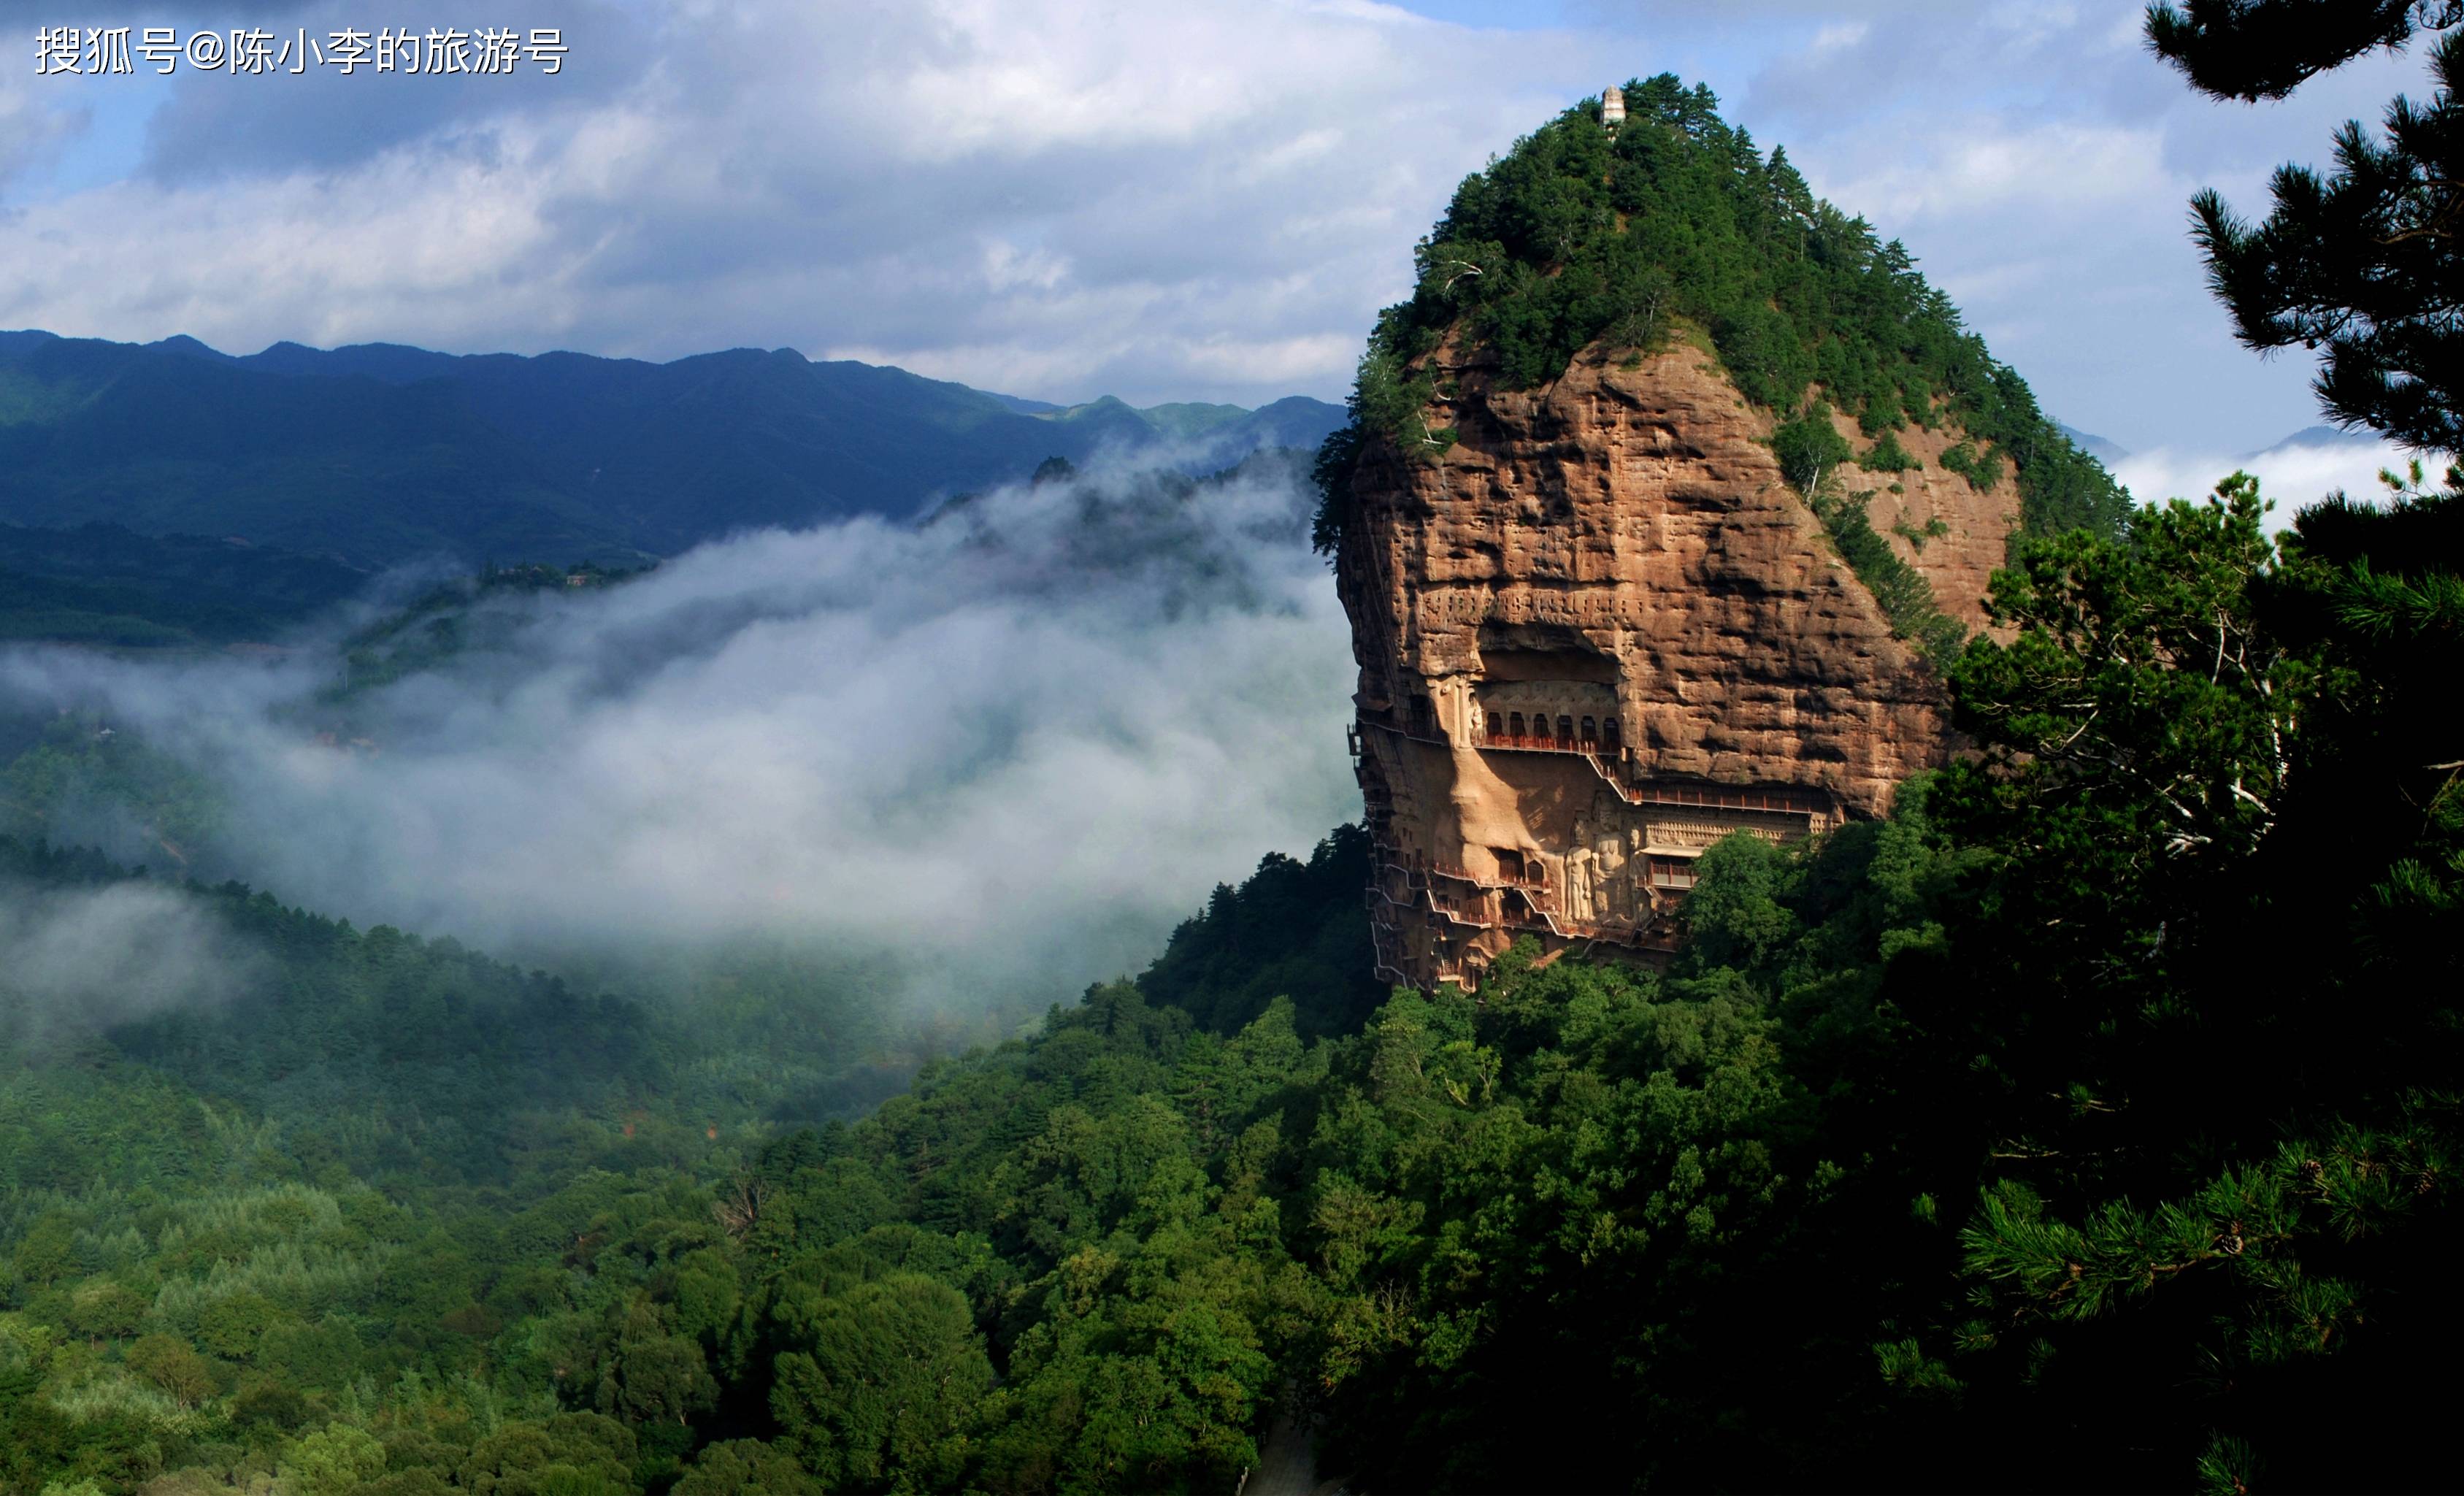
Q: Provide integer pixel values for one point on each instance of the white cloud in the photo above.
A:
(1203, 200)
(77, 960)
(1018, 745)
(1976, 165)
(2293, 474)
(1084, 199)
(31, 126)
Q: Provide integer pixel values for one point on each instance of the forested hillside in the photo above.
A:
(369, 1206)
(2090, 1122)
(1679, 226)
(102, 584)
(2104, 1089)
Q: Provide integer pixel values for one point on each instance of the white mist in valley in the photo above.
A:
(2295, 472)
(1013, 746)
(76, 959)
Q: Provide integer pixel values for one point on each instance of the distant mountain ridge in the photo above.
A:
(2103, 448)
(2322, 437)
(2108, 451)
(377, 452)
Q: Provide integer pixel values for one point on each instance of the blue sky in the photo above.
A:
(1192, 200)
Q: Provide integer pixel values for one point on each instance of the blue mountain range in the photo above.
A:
(376, 453)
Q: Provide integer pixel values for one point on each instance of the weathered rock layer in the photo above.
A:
(1599, 633)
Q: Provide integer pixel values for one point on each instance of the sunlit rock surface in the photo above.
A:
(1600, 632)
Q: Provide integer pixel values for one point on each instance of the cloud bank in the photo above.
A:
(1017, 744)
(1193, 201)
(2292, 473)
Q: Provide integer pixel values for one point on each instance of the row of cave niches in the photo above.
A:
(1564, 733)
(1571, 734)
(1599, 738)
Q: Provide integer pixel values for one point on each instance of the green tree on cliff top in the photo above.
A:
(1576, 236)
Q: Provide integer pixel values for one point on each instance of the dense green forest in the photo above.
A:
(386, 1207)
(2092, 1121)
(1679, 225)
(2106, 1090)
(102, 584)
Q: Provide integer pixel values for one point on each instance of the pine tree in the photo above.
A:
(2364, 261)
(2252, 50)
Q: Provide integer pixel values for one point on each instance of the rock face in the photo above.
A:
(1600, 632)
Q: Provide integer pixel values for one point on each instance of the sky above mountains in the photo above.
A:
(1207, 199)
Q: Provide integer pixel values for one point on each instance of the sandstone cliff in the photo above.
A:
(1601, 632)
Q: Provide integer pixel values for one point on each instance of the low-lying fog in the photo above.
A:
(999, 755)
(1015, 745)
